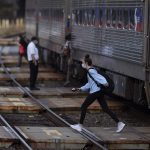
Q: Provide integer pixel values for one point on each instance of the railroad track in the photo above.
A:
(53, 116)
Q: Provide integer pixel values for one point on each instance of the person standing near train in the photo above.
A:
(67, 54)
(22, 49)
(33, 58)
(95, 92)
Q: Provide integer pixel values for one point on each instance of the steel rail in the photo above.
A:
(11, 128)
(8, 125)
(99, 142)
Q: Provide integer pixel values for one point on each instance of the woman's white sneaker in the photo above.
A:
(120, 127)
(77, 127)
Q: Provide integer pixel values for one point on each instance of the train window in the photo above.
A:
(132, 19)
(51, 13)
(42, 14)
(83, 17)
(89, 17)
(86, 17)
(97, 17)
(58, 15)
(61, 15)
(114, 18)
(93, 17)
(104, 12)
(88, 21)
(100, 17)
(120, 18)
(80, 17)
(55, 14)
(138, 19)
(108, 17)
(75, 17)
(126, 18)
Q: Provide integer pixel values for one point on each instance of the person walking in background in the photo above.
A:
(22, 49)
(33, 58)
(95, 93)
(67, 54)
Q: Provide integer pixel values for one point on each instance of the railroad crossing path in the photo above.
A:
(66, 138)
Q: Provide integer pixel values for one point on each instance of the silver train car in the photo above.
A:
(116, 34)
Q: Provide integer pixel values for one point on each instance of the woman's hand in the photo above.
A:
(76, 89)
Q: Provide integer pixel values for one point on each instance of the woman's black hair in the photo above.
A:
(88, 60)
(34, 38)
(87, 56)
(68, 37)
